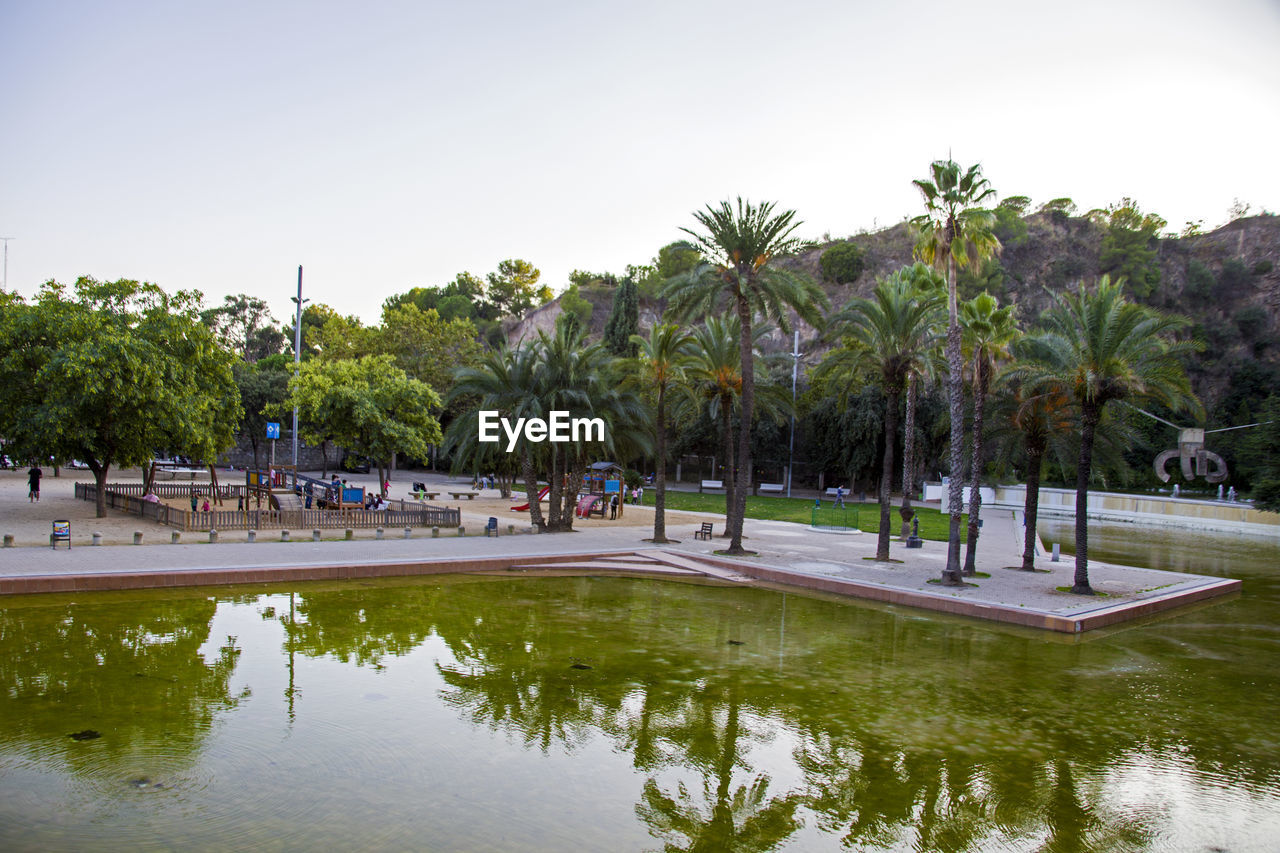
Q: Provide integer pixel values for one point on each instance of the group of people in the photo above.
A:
(479, 481)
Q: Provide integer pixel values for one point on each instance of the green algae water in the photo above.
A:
(553, 714)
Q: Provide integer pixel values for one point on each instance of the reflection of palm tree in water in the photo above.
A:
(744, 818)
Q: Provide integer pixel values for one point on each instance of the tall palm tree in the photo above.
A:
(663, 359)
(892, 334)
(926, 280)
(715, 382)
(1101, 347)
(954, 232)
(989, 331)
(741, 246)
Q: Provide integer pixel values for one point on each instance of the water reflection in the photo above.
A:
(737, 719)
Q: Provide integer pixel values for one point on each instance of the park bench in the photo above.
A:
(711, 485)
(831, 492)
(423, 494)
(773, 488)
(704, 532)
(457, 496)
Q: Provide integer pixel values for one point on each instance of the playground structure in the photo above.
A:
(174, 468)
(600, 484)
(283, 488)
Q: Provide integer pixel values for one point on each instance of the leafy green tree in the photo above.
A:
(1101, 347)
(892, 334)
(663, 359)
(989, 331)
(842, 263)
(514, 289)
(572, 302)
(111, 375)
(953, 233)
(244, 324)
(262, 384)
(367, 405)
(426, 346)
(624, 321)
(1129, 247)
(740, 246)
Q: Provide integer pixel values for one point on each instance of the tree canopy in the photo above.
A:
(111, 373)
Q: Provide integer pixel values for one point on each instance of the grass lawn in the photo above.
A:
(933, 524)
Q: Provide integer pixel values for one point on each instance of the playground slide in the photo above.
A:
(542, 494)
(586, 504)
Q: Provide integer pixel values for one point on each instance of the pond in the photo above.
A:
(497, 713)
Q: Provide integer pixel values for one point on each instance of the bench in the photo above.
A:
(704, 532)
(457, 496)
(711, 484)
(775, 488)
(423, 494)
(831, 493)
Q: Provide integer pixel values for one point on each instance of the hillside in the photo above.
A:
(1227, 282)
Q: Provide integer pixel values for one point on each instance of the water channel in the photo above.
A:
(479, 713)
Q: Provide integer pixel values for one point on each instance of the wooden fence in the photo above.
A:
(408, 515)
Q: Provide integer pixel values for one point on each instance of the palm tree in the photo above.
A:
(663, 359)
(954, 232)
(741, 246)
(990, 331)
(1100, 347)
(926, 280)
(504, 381)
(715, 380)
(891, 333)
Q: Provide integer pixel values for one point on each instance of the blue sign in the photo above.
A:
(273, 430)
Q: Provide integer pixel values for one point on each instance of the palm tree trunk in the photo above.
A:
(660, 498)
(982, 378)
(886, 471)
(726, 415)
(742, 476)
(531, 486)
(575, 469)
(556, 494)
(955, 399)
(908, 457)
(1035, 456)
(1091, 415)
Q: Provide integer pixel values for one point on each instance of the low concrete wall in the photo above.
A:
(1147, 509)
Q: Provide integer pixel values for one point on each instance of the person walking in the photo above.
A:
(33, 484)
(839, 497)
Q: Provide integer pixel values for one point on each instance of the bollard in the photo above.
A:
(175, 537)
(349, 534)
(408, 533)
(8, 540)
(511, 530)
(435, 533)
(377, 534)
(284, 536)
(213, 536)
(1056, 553)
(97, 538)
(315, 536)
(253, 536)
(462, 531)
(137, 537)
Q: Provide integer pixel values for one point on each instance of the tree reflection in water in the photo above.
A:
(891, 751)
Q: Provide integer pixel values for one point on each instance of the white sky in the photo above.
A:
(385, 145)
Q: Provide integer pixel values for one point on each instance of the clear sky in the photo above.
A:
(387, 145)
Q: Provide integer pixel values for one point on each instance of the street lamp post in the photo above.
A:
(297, 358)
(795, 371)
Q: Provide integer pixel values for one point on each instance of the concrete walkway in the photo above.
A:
(786, 553)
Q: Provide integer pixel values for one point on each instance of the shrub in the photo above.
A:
(842, 263)
(1262, 267)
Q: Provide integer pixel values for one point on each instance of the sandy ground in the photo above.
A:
(31, 523)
